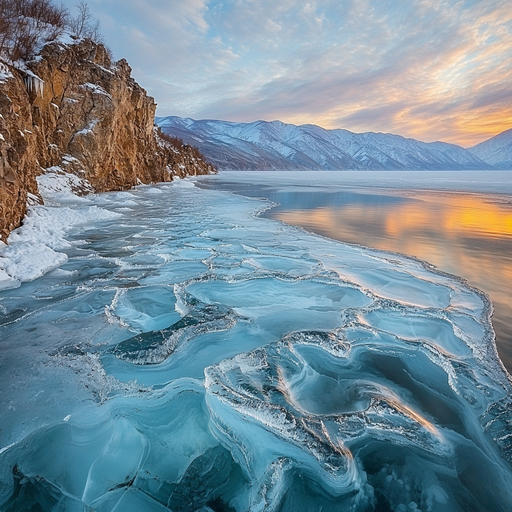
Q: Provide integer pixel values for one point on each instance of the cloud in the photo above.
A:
(427, 69)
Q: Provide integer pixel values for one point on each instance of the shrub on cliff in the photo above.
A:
(26, 25)
(180, 146)
(181, 152)
(173, 141)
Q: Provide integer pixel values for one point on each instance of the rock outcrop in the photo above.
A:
(18, 152)
(72, 110)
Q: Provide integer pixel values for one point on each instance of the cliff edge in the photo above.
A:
(72, 111)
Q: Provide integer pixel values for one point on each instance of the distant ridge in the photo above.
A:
(496, 151)
(275, 145)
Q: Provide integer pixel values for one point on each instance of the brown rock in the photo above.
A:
(90, 110)
(18, 154)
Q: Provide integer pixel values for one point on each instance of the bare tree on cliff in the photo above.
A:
(85, 25)
(26, 25)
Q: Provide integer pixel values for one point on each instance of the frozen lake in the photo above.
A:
(188, 355)
(461, 222)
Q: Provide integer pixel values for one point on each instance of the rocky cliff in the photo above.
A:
(71, 110)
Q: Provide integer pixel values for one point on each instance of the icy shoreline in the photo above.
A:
(33, 248)
(186, 333)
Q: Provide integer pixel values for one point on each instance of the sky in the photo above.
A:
(427, 69)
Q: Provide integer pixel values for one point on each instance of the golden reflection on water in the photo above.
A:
(464, 234)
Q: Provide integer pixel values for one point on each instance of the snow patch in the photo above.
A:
(5, 72)
(96, 89)
(32, 250)
(58, 186)
(6, 281)
(89, 129)
(183, 183)
(25, 262)
(69, 159)
(32, 199)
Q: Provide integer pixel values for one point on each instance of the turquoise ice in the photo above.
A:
(192, 356)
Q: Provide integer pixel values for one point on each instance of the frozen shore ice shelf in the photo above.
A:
(187, 355)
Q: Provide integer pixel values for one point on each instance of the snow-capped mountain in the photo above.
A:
(278, 146)
(496, 151)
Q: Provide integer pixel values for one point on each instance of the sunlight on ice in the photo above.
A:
(188, 355)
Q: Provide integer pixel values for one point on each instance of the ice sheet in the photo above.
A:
(489, 182)
(188, 355)
(34, 248)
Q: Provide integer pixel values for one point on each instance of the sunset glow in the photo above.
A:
(455, 216)
(423, 69)
(439, 228)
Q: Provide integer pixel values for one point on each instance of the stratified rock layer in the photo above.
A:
(72, 108)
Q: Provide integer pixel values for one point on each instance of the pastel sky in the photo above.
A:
(428, 69)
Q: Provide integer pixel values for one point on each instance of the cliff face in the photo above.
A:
(18, 160)
(72, 110)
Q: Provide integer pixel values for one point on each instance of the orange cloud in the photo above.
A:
(432, 70)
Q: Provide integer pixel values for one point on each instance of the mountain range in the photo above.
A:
(275, 145)
(496, 151)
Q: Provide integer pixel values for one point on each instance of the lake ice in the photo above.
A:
(188, 355)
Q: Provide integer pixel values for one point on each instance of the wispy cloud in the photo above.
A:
(429, 69)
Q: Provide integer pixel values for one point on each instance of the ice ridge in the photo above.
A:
(190, 356)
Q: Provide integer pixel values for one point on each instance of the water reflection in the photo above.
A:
(465, 234)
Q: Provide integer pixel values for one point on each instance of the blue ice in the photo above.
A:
(191, 356)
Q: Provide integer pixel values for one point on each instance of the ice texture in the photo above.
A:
(187, 355)
(33, 248)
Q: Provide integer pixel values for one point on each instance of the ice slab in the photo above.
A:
(189, 355)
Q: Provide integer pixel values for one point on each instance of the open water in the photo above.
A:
(461, 222)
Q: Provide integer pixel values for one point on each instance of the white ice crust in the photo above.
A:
(33, 248)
